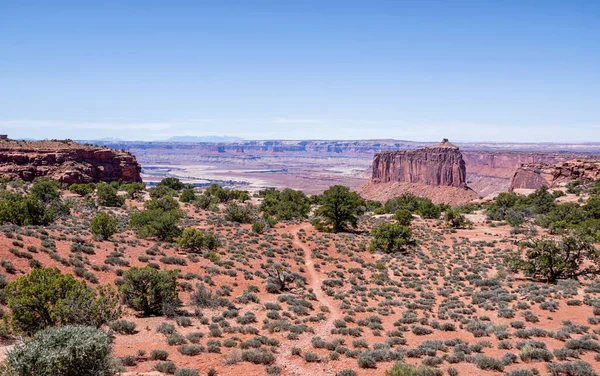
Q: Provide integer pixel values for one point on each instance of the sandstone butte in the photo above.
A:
(537, 175)
(437, 172)
(66, 161)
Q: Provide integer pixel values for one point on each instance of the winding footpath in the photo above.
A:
(294, 365)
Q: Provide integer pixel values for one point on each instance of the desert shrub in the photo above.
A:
(187, 195)
(284, 205)
(403, 217)
(574, 368)
(82, 189)
(166, 367)
(191, 350)
(158, 354)
(203, 297)
(487, 363)
(160, 219)
(455, 219)
(258, 356)
(187, 371)
(403, 369)
(104, 226)
(346, 372)
(366, 360)
(311, 357)
(391, 237)
(149, 290)
(28, 210)
(123, 326)
(194, 240)
(107, 196)
(240, 213)
(66, 350)
(45, 297)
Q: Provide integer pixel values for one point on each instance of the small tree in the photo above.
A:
(149, 290)
(66, 350)
(187, 195)
(391, 237)
(340, 208)
(134, 189)
(455, 219)
(404, 217)
(240, 213)
(45, 190)
(104, 226)
(45, 297)
(107, 196)
(548, 259)
(172, 183)
(82, 189)
(159, 219)
(193, 240)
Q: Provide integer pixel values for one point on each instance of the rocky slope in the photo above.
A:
(66, 161)
(536, 175)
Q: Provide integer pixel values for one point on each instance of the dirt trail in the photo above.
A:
(296, 365)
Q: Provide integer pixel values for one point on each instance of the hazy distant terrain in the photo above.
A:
(314, 165)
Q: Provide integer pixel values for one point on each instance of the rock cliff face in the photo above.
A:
(537, 175)
(66, 161)
(439, 165)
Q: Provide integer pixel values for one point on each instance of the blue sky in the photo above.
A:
(421, 70)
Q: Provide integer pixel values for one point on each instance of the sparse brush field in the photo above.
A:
(263, 288)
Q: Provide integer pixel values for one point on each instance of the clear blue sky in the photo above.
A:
(299, 69)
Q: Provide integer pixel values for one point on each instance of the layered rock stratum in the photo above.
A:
(537, 175)
(437, 172)
(439, 165)
(66, 161)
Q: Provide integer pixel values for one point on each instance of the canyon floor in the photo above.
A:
(448, 303)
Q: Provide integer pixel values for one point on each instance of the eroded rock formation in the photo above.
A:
(66, 161)
(439, 165)
(537, 175)
(437, 172)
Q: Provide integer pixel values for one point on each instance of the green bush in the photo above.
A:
(187, 195)
(340, 208)
(403, 369)
(391, 237)
(287, 204)
(240, 213)
(159, 219)
(103, 225)
(194, 240)
(45, 297)
(172, 183)
(107, 196)
(149, 290)
(65, 351)
(82, 189)
(548, 259)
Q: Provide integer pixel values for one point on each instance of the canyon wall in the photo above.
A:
(537, 175)
(67, 162)
(440, 165)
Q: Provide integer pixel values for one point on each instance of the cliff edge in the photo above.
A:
(66, 161)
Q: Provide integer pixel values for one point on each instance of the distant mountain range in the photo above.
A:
(204, 139)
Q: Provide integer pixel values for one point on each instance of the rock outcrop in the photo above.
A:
(66, 161)
(537, 175)
(439, 165)
(437, 172)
